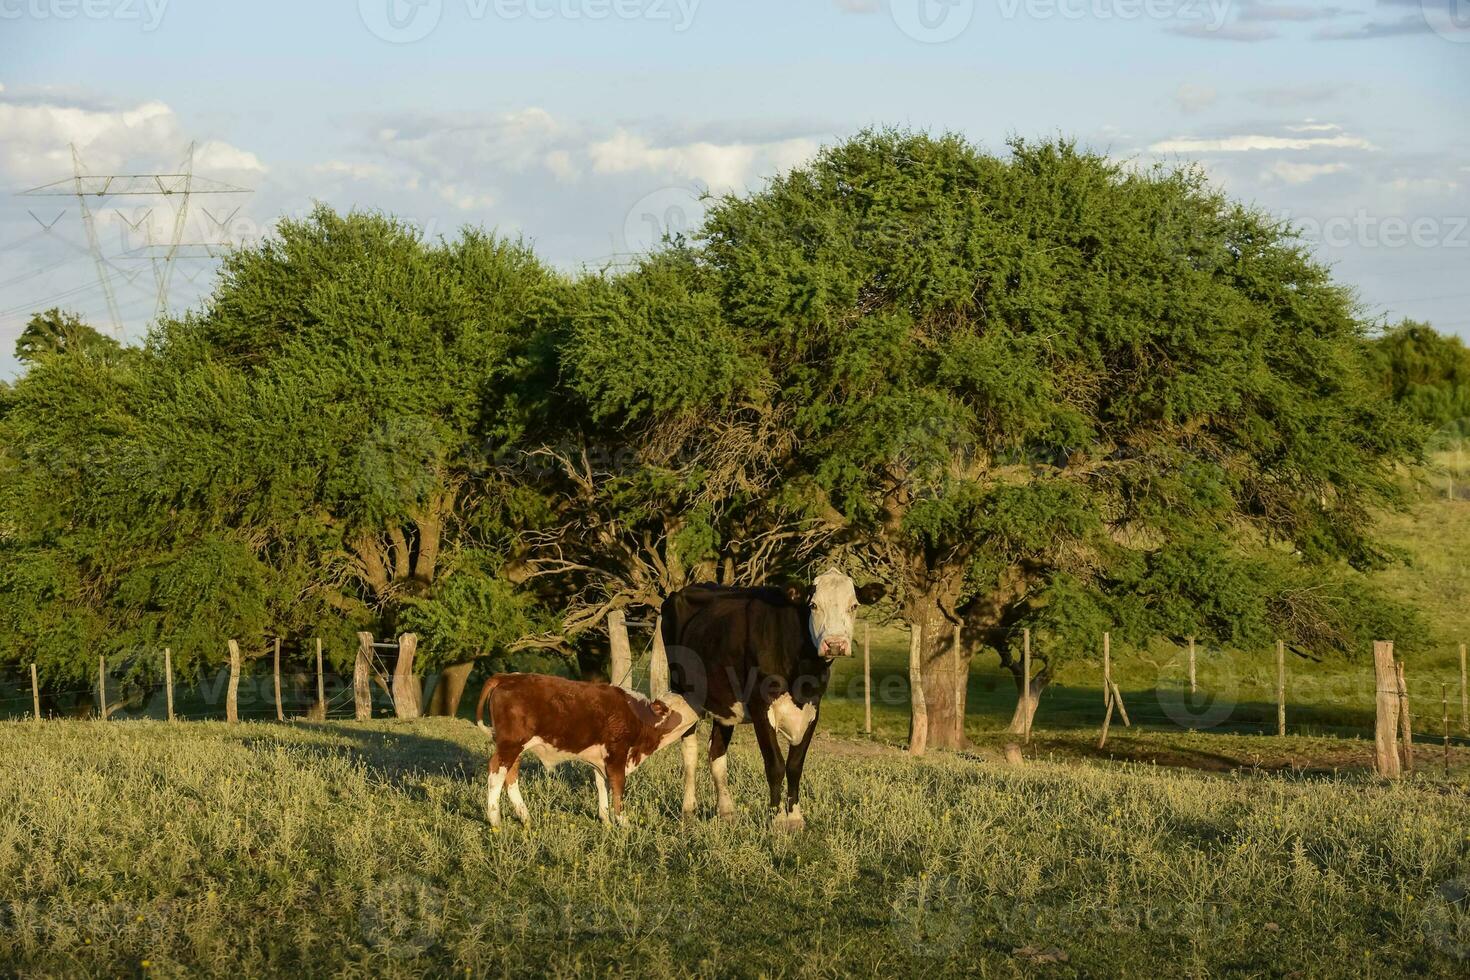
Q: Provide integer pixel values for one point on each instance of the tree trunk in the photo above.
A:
(447, 693)
(658, 662)
(943, 665)
(620, 655)
(1025, 712)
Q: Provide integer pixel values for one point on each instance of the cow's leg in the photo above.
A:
(765, 735)
(689, 750)
(601, 795)
(513, 790)
(615, 777)
(719, 760)
(501, 762)
(794, 763)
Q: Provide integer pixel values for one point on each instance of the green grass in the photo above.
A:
(143, 849)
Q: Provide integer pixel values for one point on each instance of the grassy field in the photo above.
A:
(142, 849)
(1194, 845)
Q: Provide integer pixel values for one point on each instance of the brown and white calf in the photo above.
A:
(612, 730)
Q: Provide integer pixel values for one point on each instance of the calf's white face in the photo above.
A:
(833, 603)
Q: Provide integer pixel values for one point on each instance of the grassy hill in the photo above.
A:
(143, 849)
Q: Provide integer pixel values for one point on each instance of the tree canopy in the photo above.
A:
(1032, 390)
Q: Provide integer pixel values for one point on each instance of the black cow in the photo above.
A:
(760, 657)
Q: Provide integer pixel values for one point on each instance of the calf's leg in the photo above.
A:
(502, 761)
(615, 777)
(601, 795)
(513, 790)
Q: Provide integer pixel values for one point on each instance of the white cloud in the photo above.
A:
(1194, 98)
(465, 200)
(721, 166)
(356, 170)
(1255, 142)
(222, 157)
(559, 162)
(36, 137)
(1300, 173)
(1423, 185)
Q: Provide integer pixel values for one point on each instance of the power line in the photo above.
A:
(174, 188)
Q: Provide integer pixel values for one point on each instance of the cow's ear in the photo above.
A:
(795, 594)
(871, 593)
(660, 710)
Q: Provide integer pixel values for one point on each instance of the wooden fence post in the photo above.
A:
(1406, 724)
(919, 711)
(1107, 689)
(35, 693)
(232, 699)
(1026, 686)
(1464, 694)
(168, 680)
(407, 693)
(867, 679)
(1385, 732)
(362, 682)
(658, 662)
(1281, 688)
(1444, 703)
(1192, 686)
(620, 659)
(102, 687)
(321, 686)
(280, 709)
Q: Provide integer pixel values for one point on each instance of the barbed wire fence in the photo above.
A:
(1299, 697)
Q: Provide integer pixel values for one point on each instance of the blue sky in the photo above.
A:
(590, 126)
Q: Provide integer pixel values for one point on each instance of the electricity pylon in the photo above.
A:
(175, 188)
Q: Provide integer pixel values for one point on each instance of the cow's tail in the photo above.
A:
(484, 698)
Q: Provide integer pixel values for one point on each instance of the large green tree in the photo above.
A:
(656, 445)
(304, 455)
(1030, 387)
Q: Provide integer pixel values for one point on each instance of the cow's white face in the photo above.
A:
(833, 602)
